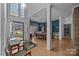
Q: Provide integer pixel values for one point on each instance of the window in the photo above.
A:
(14, 8)
(22, 12)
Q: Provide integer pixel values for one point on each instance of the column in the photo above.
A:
(27, 28)
(3, 29)
(26, 25)
(48, 27)
(61, 27)
(72, 28)
(0, 29)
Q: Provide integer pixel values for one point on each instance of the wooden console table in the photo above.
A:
(26, 49)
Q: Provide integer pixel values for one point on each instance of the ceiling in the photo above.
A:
(37, 11)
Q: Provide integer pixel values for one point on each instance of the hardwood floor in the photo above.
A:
(60, 48)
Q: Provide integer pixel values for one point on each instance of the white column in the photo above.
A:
(3, 29)
(61, 27)
(72, 28)
(27, 29)
(0, 29)
(6, 28)
(26, 25)
(48, 27)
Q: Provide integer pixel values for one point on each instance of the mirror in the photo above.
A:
(18, 30)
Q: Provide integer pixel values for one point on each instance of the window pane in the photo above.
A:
(14, 8)
(22, 10)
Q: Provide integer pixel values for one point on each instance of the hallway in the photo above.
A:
(63, 47)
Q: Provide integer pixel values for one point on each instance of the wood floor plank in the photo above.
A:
(60, 48)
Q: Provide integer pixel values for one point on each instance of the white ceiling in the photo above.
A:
(40, 16)
(37, 11)
(62, 10)
(35, 7)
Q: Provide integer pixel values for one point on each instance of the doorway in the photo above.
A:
(67, 30)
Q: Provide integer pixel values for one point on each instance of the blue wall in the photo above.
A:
(34, 23)
(55, 26)
(40, 26)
